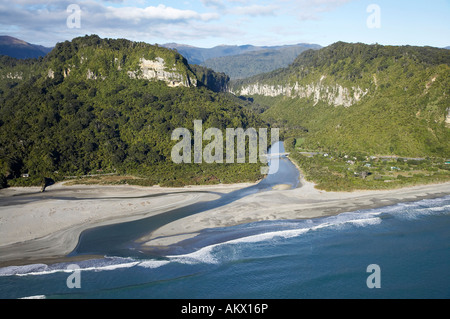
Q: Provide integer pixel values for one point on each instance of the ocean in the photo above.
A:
(329, 257)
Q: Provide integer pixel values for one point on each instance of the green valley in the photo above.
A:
(369, 100)
(251, 63)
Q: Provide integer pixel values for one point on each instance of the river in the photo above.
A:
(327, 257)
(120, 239)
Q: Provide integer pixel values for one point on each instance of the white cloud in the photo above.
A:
(239, 1)
(254, 10)
(311, 9)
(161, 12)
(224, 20)
(218, 4)
(44, 21)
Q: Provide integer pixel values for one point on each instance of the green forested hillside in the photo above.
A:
(381, 100)
(80, 111)
(217, 82)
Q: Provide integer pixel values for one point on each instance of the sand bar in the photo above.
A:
(38, 226)
(300, 203)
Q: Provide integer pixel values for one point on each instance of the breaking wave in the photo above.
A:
(258, 232)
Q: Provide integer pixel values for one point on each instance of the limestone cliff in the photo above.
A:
(447, 118)
(148, 69)
(335, 95)
(93, 58)
(157, 70)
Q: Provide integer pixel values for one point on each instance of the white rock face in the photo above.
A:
(51, 74)
(90, 75)
(447, 119)
(148, 69)
(157, 70)
(16, 75)
(66, 72)
(334, 95)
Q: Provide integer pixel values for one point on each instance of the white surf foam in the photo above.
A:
(426, 207)
(206, 254)
(365, 221)
(203, 255)
(153, 263)
(22, 270)
(291, 229)
(34, 297)
(107, 264)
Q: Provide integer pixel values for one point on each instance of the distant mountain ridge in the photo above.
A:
(20, 49)
(197, 55)
(256, 62)
(242, 61)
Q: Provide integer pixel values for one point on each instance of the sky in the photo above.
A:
(208, 23)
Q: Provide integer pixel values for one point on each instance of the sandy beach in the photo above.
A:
(300, 203)
(37, 226)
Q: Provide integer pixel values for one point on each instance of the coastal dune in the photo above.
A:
(38, 226)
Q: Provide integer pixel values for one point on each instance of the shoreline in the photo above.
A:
(300, 203)
(51, 222)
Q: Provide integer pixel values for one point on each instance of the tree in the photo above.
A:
(3, 181)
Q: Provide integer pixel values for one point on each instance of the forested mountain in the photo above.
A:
(217, 82)
(256, 62)
(19, 49)
(101, 105)
(391, 100)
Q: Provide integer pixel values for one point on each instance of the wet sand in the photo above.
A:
(36, 226)
(300, 203)
(44, 227)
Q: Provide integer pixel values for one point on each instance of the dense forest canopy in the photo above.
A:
(78, 111)
(104, 106)
(386, 100)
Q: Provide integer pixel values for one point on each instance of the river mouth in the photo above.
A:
(123, 239)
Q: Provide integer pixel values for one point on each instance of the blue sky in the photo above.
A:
(207, 23)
